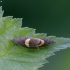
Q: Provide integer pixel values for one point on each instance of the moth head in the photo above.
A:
(48, 41)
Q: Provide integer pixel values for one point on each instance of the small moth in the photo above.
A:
(33, 42)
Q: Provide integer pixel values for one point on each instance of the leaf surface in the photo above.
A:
(15, 57)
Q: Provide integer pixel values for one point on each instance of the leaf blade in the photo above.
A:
(13, 56)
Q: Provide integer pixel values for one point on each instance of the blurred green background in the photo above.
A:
(46, 16)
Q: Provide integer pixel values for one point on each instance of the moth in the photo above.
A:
(33, 42)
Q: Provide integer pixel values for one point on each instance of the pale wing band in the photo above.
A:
(27, 42)
(42, 42)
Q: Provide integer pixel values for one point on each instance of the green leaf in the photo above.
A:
(15, 57)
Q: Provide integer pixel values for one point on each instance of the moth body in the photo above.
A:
(33, 42)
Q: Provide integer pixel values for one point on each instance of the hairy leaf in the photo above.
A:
(15, 57)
